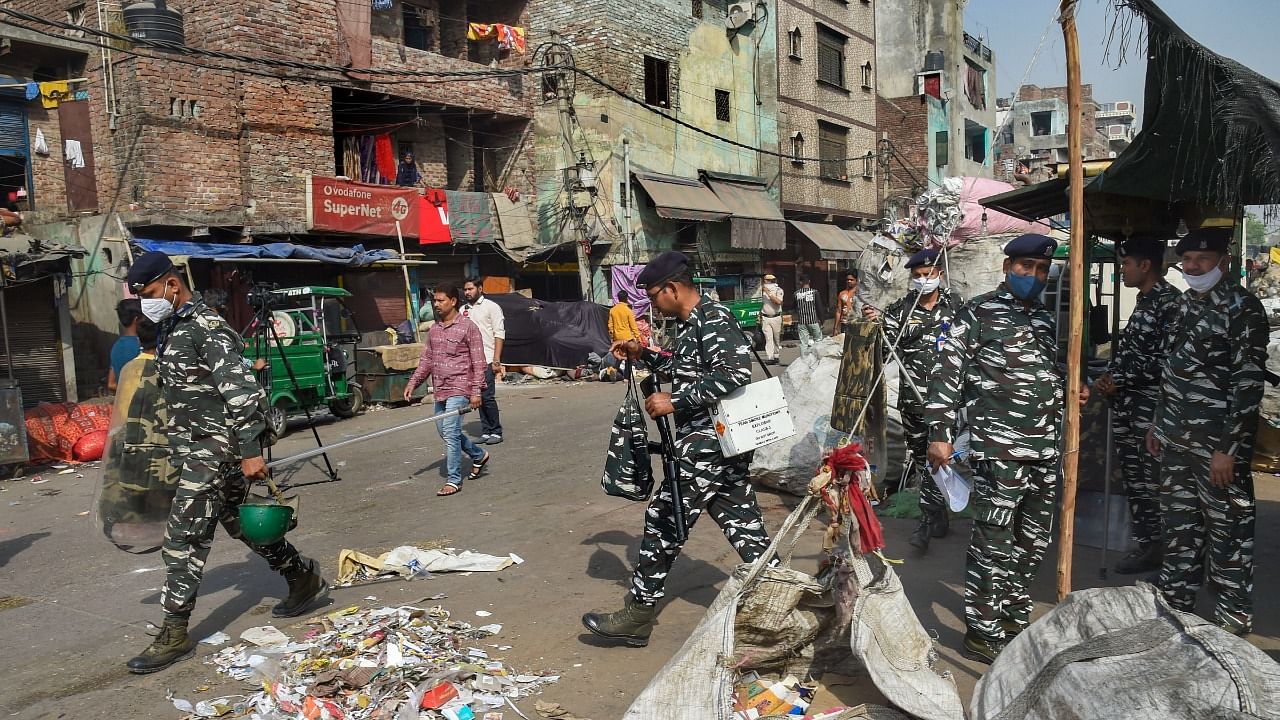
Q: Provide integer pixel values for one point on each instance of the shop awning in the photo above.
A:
(756, 223)
(681, 198)
(1033, 202)
(354, 256)
(834, 243)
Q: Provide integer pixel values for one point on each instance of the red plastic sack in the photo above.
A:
(53, 429)
(90, 446)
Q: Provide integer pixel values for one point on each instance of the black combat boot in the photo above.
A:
(976, 648)
(933, 524)
(1147, 558)
(633, 623)
(306, 590)
(1011, 629)
(170, 646)
(939, 524)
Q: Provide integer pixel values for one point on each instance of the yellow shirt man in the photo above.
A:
(622, 321)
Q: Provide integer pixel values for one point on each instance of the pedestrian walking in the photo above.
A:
(771, 319)
(453, 357)
(622, 320)
(216, 426)
(999, 363)
(810, 312)
(488, 317)
(916, 322)
(848, 306)
(711, 359)
(1204, 430)
(126, 347)
(1132, 383)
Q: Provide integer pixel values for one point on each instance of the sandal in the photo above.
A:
(478, 466)
(449, 489)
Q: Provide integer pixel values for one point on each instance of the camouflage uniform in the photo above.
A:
(1209, 397)
(711, 358)
(1000, 364)
(1135, 368)
(918, 348)
(216, 419)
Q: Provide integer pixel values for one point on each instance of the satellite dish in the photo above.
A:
(738, 15)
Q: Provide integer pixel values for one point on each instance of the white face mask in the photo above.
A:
(1202, 283)
(157, 310)
(925, 286)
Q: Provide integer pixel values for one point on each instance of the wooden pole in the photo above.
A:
(1075, 257)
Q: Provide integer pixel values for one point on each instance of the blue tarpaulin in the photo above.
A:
(354, 256)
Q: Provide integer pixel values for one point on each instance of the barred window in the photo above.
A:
(657, 82)
(722, 105)
(833, 144)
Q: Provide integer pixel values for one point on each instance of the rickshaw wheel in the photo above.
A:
(351, 405)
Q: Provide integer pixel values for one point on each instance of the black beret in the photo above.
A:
(1031, 245)
(662, 268)
(928, 256)
(1146, 248)
(147, 268)
(1215, 239)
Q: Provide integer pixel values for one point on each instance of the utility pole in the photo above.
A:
(579, 191)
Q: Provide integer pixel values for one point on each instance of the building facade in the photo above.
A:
(1033, 132)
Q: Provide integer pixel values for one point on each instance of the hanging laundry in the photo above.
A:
(481, 31)
(433, 223)
(32, 91)
(41, 145)
(386, 159)
(74, 154)
(511, 37)
(54, 92)
(382, 4)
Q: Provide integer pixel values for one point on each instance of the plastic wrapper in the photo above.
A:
(138, 479)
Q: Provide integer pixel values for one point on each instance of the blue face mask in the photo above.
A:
(1024, 287)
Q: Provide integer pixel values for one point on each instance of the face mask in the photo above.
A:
(1024, 287)
(924, 286)
(1202, 283)
(157, 309)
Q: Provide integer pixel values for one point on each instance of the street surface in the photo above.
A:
(78, 607)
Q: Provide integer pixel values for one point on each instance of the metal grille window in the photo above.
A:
(722, 105)
(831, 56)
(657, 82)
(697, 9)
(832, 151)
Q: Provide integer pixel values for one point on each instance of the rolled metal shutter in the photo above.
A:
(13, 129)
(35, 343)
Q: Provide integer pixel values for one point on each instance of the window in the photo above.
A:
(797, 148)
(975, 142)
(832, 151)
(657, 82)
(868, 165)
(75, 16)
(796, 43)
(722, 105)
(941, 148)
(419, 27)
(697, 9)
(866, 76)
(1042, 123)
(830, 57)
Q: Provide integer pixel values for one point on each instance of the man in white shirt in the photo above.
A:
(487, 316)
(771, 319)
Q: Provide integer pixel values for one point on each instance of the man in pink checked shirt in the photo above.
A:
(454, 357)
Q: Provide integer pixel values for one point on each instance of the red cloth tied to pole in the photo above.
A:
(849, 459)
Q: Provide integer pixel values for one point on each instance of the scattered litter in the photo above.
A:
(382, 662)
(264, 636)
(217, 638)
(554, 711)
(79, 514)
(493, 629)
(483, 613)
(139, 571)
(39, 480)
(371, 598)
(51, 492)
(68, 471)
(355, 567)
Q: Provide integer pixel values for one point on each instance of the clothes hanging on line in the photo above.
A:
(386, 160)
(509, 37)
(74, 154)
(54, 92)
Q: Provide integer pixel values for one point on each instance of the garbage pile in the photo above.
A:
(386, 663)
(758, 697)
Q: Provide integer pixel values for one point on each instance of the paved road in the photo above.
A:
(64, 651)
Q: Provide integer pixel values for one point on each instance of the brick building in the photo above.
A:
(1034, 132)
(225, 152)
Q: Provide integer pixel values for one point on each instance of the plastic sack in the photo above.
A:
(628, 470)
(1108, 653)
(54, 428)
(90, 446)
(954, 486)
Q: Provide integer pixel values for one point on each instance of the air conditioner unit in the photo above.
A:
(738, 15)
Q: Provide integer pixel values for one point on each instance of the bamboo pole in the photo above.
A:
(1075, 258)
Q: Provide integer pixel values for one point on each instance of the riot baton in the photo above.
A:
(281, 462)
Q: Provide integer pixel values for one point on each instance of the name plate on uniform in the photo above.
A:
(751, 417)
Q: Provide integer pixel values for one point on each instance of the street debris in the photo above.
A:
(407, 561)
(392, 663)
(218, 638)
(554, 711)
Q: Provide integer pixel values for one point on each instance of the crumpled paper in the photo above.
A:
(407, 561)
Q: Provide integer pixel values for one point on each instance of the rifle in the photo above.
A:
(670, 469)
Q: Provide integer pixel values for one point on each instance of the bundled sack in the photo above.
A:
(628, 470)
(1110, 653)
(53, 429)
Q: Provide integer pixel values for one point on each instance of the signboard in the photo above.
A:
(351, 207)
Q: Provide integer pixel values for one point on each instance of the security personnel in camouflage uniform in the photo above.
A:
(915, 326)
(215, 410)
(1132, 382)
(711, 358)
(1204, 431)
(1000, 364)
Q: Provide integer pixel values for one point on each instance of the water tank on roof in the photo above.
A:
(154, 20)
(934, 60)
